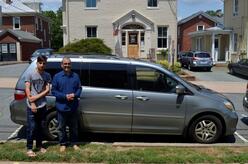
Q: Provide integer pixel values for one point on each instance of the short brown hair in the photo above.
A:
(41, 58)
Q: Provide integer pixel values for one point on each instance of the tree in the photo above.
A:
(217, 13)
(56, 31)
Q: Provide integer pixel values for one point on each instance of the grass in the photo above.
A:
(92, 153)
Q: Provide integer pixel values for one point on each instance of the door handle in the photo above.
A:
(121, 97)
(142, 98)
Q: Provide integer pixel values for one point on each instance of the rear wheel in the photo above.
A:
(51, 128)
(206, 129)
(231, 71)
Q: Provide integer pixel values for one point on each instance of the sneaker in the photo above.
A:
(75, 147)
(62, 149)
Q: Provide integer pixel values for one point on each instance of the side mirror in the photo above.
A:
(180, 89)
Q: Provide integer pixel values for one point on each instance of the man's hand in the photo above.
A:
(33, 107)
(70, 97)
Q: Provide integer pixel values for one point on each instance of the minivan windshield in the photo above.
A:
(202, 55)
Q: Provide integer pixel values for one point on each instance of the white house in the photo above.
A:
(132, 28)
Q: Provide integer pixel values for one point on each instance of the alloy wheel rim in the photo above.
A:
(205, 130)
(53, 127)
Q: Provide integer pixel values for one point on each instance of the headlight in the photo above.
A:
(229, 105)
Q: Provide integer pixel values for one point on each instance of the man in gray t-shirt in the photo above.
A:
(37, 87)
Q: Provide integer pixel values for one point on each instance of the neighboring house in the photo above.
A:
(132, 28)
(236, 19)
(18, 17)
(202, 32)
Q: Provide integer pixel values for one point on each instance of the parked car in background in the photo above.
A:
(137, 97)
(45, 51)
(180, 56)
(245, 99)
(241, 67)
(197, 59)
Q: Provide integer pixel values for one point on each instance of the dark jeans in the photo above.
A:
(35, 124)
(69, 119)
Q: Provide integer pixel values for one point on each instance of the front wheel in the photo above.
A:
(206, 129)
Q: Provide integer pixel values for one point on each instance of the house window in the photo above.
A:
(162, 37)
(91, 32)
(152, 3)
(90, 3)
(45, 35)
(36, 23)
(16, 23)
(235, 7)
(123, 38)
(200, 28)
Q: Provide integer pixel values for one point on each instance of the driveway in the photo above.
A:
(219, 80)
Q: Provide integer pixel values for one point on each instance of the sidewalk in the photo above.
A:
(11, 62)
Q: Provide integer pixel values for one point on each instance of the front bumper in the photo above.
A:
(231, 121)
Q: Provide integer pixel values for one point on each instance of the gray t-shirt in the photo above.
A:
(38, 84)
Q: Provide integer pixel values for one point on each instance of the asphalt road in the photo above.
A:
(8, 128)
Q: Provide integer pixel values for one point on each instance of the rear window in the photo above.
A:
(202, 55)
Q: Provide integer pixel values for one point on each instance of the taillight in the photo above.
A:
(19, 94)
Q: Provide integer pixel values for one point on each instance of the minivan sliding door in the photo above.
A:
(107, 101)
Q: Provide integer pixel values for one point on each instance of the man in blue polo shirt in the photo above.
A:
(66, 87)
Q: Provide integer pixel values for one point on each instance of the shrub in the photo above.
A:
(87, 46)
(164, 63)
(176, 67)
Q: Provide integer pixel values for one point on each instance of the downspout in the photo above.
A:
(67, 15)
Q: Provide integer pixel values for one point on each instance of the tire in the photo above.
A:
(231, 71)
(189, 67)
(51, 126)
(208, 69)
(206, 129)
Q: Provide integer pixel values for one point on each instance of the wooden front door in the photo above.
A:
(133, 45)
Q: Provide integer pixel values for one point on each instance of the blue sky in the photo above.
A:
(185, 7)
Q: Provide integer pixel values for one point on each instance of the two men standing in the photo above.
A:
(66, 87)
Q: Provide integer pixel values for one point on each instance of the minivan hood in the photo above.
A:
(213, 94)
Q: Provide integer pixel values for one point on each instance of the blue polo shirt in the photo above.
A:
(63, 84)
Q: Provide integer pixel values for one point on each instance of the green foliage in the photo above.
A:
(92, 153)
(92, 45)
(56, 31)
(174, 68)
(217, 13)
(164, 63)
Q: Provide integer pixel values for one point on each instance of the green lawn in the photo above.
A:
(93, 153)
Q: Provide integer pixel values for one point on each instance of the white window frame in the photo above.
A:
(235, 7)
(93, 7)
(153, 7)
(163, 37)
(14, 22)
(203, 27)
(86, 31)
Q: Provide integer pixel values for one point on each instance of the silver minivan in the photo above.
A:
(130, 96)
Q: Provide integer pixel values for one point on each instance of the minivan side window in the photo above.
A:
(55, 67)
(109, 75)
(150, 79)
